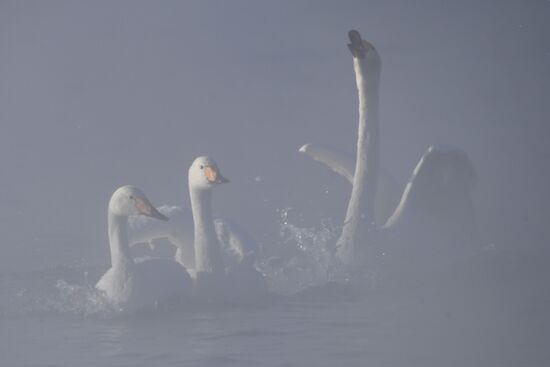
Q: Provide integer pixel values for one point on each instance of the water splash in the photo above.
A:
(85, 301)
(304, 258)
(63, 290)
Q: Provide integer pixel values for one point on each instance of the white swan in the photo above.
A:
(213, 282)
(129, 284)
(218, 254)
(436, 207)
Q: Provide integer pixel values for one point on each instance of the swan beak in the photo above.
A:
(213, 176)
(144, 207)
(357, 46)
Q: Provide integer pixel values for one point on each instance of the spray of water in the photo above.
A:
(305, 257)
(63, 290)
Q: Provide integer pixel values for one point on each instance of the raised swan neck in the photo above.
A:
(359, 222)
(118, 241)
(207, 248)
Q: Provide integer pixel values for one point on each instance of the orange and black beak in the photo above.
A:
(144, 207)
(213, 176)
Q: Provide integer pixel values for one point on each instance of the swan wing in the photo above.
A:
(389, 190)
(178, 230)
(142, 229)
(440, 183)
(337, 161)
(238, 246)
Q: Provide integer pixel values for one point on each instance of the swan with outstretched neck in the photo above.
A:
(213, 282)
(237, 246)
(218, 254)
(436, 206)
(360, 218)
(203, 176)
(129, 284)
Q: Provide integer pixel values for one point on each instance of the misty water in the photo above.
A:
(98, 95)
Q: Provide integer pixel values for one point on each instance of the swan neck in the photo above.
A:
(118, 241)
(367, 78)
(359, 222)
(207, 248)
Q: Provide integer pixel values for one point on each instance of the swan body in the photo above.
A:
(433, 227)
(134, 285)
(439, 191)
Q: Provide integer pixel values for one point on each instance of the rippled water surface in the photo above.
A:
(98, 94)
(469, 321)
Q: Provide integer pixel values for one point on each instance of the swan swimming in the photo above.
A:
(237, 245)
(217, 253)
(436, 206)
(129, 284)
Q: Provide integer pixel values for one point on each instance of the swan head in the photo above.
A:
(204, 174)
(129, 200)
(362, 49)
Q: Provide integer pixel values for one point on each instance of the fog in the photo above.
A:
(95, 95)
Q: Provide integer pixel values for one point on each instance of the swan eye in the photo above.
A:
(202, 167)
(131, 197)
